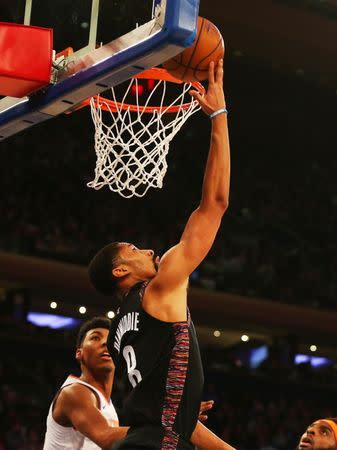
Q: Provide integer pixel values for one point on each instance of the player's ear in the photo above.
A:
(120, 271)
(78, 354)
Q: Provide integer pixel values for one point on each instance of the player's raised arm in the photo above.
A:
(200, 231)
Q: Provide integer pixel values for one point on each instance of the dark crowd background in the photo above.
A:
(278, 238)
(265, 408)
(277, 242)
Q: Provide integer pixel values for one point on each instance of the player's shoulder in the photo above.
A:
(166, 305)
(159, 287)
(77, 393)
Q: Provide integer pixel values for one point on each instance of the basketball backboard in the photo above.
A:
(112, 40)
(80, 24)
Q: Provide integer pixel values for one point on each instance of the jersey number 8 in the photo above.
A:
(130, 358)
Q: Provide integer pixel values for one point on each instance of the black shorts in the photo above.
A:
(148, 437)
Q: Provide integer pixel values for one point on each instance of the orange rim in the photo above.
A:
(154, 74)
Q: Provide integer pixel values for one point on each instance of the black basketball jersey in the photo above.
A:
(158, 378)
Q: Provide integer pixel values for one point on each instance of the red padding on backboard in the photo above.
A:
(25, 58)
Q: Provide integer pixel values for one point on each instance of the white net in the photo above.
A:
(131, 145)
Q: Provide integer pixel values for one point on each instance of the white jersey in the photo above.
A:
(59, 437)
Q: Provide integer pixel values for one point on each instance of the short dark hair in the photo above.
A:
(100, 269)
(333, 419)
(95, 322)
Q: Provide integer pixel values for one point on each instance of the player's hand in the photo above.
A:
(205, 406)
(214, 98)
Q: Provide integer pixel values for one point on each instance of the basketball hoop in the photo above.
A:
(131, 150)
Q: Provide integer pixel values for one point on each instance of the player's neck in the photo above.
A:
(127, 285)
(101, 381)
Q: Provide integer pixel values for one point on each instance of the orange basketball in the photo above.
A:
(192, 64)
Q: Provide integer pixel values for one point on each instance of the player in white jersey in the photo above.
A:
(81, 416)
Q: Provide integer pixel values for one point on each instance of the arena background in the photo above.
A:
(272, 274)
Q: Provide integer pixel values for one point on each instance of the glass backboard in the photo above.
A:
(74, 20)
(112, 41)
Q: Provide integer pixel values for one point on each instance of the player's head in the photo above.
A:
(91, 346)
(119, 263)
(320, 435)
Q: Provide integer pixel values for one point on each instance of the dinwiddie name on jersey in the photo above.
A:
(129, 322)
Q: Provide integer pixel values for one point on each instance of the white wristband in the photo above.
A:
(219, 111)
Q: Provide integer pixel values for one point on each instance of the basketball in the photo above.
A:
(192, 64)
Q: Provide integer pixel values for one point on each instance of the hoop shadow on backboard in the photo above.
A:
(90, 70)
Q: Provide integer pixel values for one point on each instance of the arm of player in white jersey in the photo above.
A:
(204, 439)
(78, 405)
